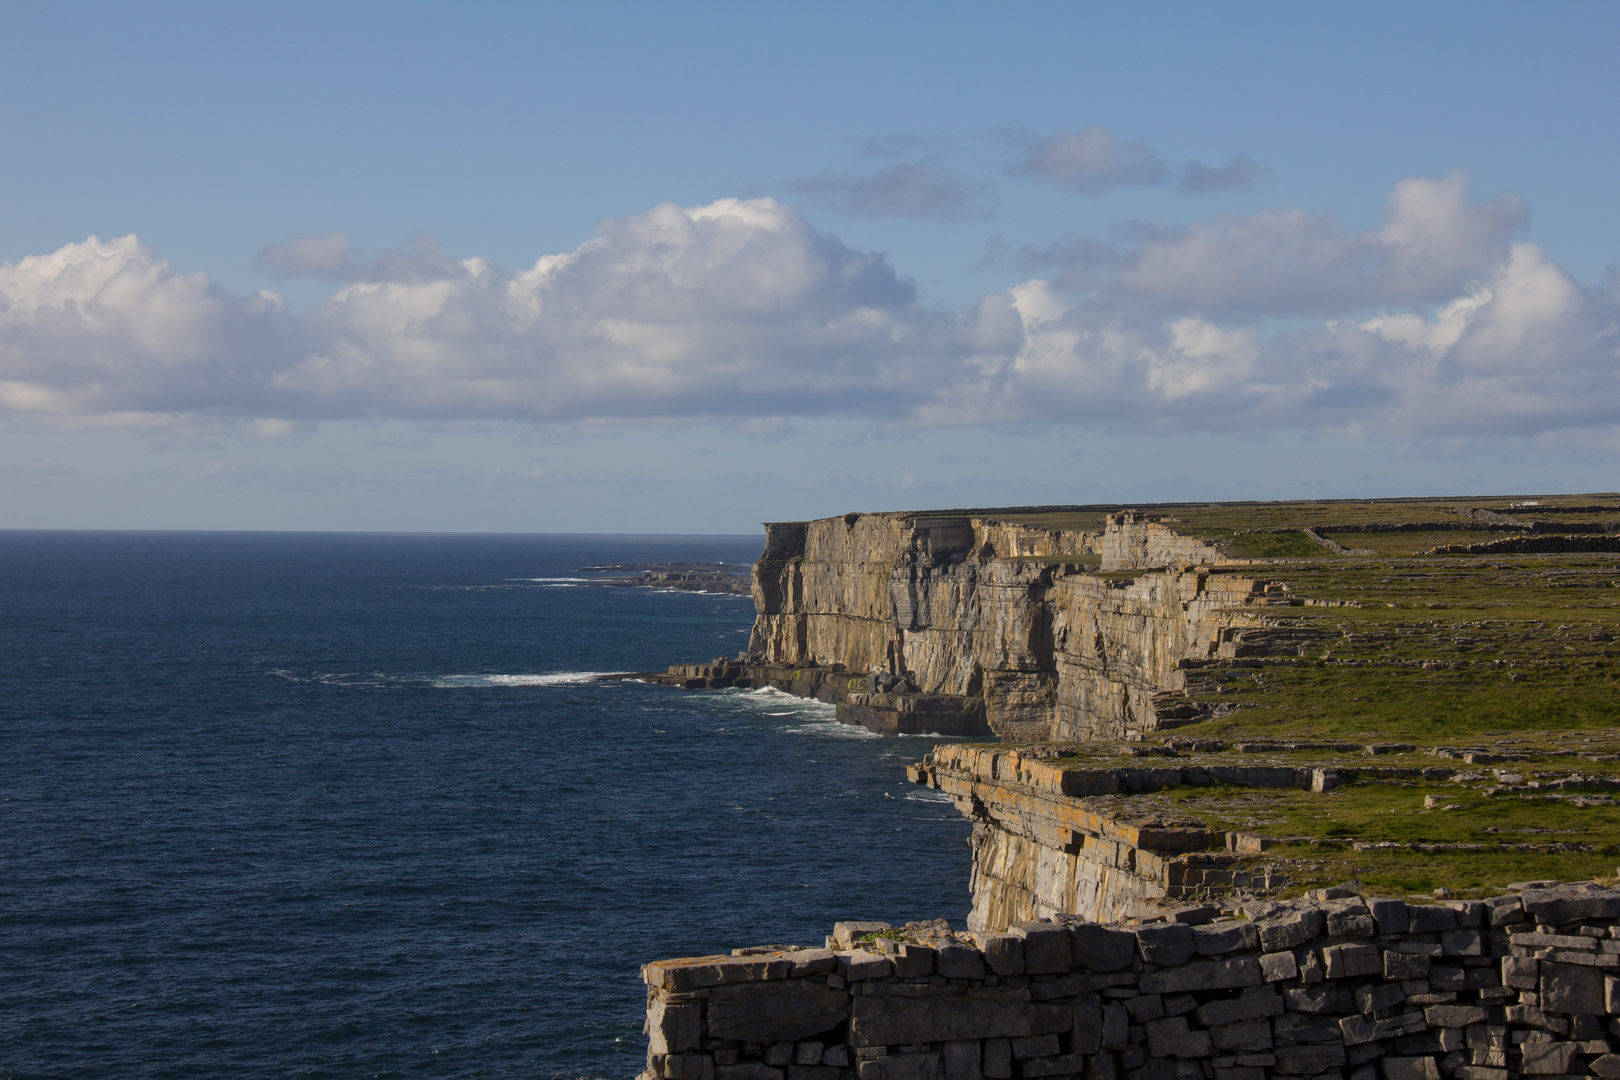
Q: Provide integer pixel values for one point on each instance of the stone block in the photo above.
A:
(1304, 1028)
(861, 964)
(1611, 994)
(1430, 919)
(913, 961)
(689, 1067)
(1240, 1072)
(779, 1054)
(1480, 1072)
(1288, 928)
(1531, 1016)
(1250, 1005)
(748, 1070)
(1062, 1065)
(1549, 1058)
(782, 1011)
(1443, 977)
(808, 1053)
(845, 933)
(1607, 1066)
(1204, 975)
(811, 1072)
(1410, 1068)
(1046, 947)
(1167, 944)
(1097, 948)
(1521, 972)
(1376, 997)
(1223, 938)
(1277, 966)
(1389, 915)
(1003, 953)
(1351, 961)
(1245, 1037)
(1358, 1030)
(1562, 904)
(997, 1059)
(1034, 1046)
(1087, 1032)
(1102, 1067)
(902, 1067)
(959, 962)
(674, 1029)
(1572, 988)
(886, 1021)
(959, 1060)
(1309, 1060)
(837, 1055)
(1455, 1016)
(697, 972)
(1145, 1007)
(1351, 922)
(1116, 1027)
(1321, 999)
(1462, 943)
(1503, 911)
(1172, 1037)
(811, 962)
(1399, 965)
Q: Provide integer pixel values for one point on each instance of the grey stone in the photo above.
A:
(1087, 1032)
(1168, 944)
(885, 1021)
(1034, 1046)
(1349, 961)
(902, 1067)
(674, 1029)
(770, 1012)
(1224, 938)
(1248, 1036)
(1447, 977)
(913, 961)
(1003, 953)
(1144, 1007)
(1572, 988)
(811, 962)
(808, 1053)
(1205, 975)
(1548, 1058)
(957, 961)
(1171, 1037)
(1462, 943)
(837, 1055)
(1353, 921)
(1390, 915)
(1429, 919)
(1308, 1060)
(1410, 1068)
(1455, 1016)
(1303, 1028)
(1062, 1065)
(1503, 911)
(1250, 1005)
(1046, 947)
(1611, 993)
(845, 933)
(1285, 929)
(1531, 1016)
(861, 964)
(1405, 966)
(1116, 1027)
(997, 1059)
(1568, 903)
(1358, 1030)
(779, 1054)
(1278, 966)
(694, 973)
(812, 1072)
(689, 1067)
(1376, 997)
(1321, 999)
(1097, 948)
(748, 1070)
(1240, 1072)
(1102, 1067)
(1607, 1066)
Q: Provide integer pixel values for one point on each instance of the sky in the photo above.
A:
(683, 268)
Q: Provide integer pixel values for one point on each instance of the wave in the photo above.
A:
(561, 678)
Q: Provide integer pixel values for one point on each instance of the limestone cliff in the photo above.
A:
(996, 611)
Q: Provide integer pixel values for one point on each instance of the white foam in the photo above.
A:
(561, 678)
(567, 580)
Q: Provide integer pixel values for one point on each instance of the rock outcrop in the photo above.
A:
(996, 613)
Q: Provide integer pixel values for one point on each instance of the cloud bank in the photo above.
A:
(1441, 321)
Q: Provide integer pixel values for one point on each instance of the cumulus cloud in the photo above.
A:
(1090, 160)
(1238, 174)
(910, 189)
(333, 256)
(1439, 322)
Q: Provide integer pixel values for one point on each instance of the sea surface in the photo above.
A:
(330, 805)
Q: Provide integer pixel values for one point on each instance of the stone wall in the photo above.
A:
(1336, 987)
(1053, 650)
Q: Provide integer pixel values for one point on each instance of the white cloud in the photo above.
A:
(1434, 324)
(1091, 161)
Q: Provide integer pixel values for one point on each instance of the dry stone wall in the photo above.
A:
(1336, 987)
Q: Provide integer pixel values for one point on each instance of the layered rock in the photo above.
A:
(992, 611)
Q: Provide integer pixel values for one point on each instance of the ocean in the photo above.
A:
(350, 805)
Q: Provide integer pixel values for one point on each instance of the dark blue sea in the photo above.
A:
(325, 805)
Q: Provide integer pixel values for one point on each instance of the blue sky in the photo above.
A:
(685, 267)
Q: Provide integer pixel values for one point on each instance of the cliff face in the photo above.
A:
(973, 607)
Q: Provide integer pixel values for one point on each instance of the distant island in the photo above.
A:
(685, 576)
